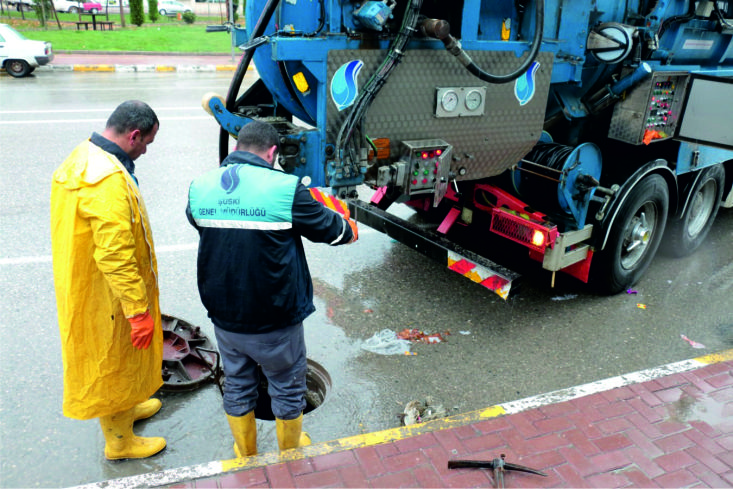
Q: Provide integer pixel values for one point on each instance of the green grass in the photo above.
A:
(166, 36)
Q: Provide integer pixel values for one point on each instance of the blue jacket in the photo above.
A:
(252, 272)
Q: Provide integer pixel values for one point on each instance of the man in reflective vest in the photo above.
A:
(254, 281)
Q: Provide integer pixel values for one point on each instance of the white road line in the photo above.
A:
(108, 109)
(78, 121)
(23, 260)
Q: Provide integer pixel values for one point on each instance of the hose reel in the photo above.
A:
(564, 177)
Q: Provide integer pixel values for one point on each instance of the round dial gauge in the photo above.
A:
(449, 101)
(474, 99)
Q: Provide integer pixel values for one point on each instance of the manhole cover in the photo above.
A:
(189, 358)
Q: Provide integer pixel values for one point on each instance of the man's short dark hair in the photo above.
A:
(131, 115)
(257, 136)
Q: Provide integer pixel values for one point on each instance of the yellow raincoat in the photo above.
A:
(104, 271)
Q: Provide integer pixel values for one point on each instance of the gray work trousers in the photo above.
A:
(282, 356)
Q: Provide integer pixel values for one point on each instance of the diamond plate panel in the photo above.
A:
(405, 107)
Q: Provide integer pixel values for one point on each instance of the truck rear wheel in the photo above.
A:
(685, 235)
(634, 237)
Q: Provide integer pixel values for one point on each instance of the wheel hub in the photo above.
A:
(701, 206)
(638, 237)
(640, 234)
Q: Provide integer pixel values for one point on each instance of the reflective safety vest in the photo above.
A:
(223, 199)
(253, 275)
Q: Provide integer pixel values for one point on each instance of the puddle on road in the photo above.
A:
(707, 410)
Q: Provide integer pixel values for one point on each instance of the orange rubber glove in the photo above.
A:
(354, 229)
(143, 326)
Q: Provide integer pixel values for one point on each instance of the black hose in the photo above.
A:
(355, 119)
(241, 70)
(677, 18)
(550, 155)
(454, 47)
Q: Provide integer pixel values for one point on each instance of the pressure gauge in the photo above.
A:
(449, 101)
(474, 98)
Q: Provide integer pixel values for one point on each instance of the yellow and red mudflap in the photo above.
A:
(484, 276)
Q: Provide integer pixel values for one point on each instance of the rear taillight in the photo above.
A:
(521, 229)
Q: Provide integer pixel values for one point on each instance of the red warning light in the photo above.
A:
(438, 152)
(424, 155)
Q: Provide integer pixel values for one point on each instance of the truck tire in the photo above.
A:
(634, 237)
(685, 235)
(17, 68)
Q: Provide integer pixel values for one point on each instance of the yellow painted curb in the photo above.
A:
(165, 68)
(723, 356)
(94, 68)
(226, 68)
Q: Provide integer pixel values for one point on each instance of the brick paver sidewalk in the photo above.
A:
(673, 431)
(671, 426)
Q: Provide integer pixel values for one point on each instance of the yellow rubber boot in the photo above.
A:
(146, 409)
(244, 429)
(290, 434)
(121, 442)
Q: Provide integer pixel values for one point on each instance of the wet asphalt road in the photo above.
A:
(541, 340)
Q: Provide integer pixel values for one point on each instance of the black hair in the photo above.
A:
(257, 136)
(131, 115)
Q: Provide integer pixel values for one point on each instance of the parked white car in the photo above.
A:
(19, 56)
(171, 7)
(19, 5)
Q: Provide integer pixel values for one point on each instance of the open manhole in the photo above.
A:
(191, 360)
(317, 382)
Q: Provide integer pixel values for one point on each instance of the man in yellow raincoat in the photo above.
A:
(105, 273)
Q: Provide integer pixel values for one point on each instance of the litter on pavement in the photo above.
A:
(386, 342)
(693, 344)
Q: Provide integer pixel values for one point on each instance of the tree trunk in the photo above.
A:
(122, 14)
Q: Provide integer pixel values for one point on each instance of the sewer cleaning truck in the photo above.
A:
(585, 133)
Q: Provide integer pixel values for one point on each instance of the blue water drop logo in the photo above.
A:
(230, 179)
(344, 86)
(524, 86)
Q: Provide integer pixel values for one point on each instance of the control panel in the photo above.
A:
(659, 114)
(423, 167)
(651, 111)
